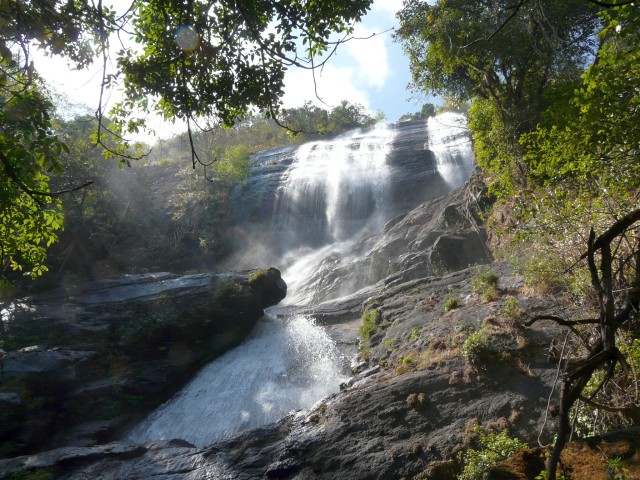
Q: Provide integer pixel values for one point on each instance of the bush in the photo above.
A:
(476, 347)
(451, 303)
(370, 323)
(493, 448)
(511, 309)
(415, 334)
(484, 282)
(543, 273)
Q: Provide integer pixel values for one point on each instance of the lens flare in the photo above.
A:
(187, 38)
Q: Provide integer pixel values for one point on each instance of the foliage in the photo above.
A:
(615, 470)
(476, 347)
(220, 61)
(415, 334)
(35, 474)
(597, 417)
(543, 272)
(511, 310)
(30, 213)
(469, 49)
(496, 149)
(370, 323)
(583, 157)
(427, 110)
(484, 282)
(257, 277)
(451, 303)
(492, 449)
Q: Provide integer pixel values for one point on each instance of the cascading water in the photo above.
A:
(284, 365)
(327, 195)
(334, 189)
(448, 139)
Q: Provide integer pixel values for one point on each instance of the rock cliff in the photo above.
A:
(412, 403)
(81, 364)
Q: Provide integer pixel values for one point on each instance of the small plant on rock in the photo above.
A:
(451, 303)
(415, 334)
(511, 310)
(370, 325)
(476, 347)
(492, 449)
(543, 273)
(485, 283)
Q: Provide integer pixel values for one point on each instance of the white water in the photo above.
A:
(340, 187)
(450, 143)
(336, 187)
(284, 365)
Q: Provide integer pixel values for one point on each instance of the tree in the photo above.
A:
(503, 54)
(194, 60)
(498, 50)
(30, 214)
(427, 110)
(348, 116)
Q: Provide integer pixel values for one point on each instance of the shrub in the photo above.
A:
(493, 448)
(415, 334)
(370, 323)
(543, 273)
(475, 347)
(484, 282)
(511, 309)
(451, 303)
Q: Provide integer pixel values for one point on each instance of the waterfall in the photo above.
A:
(284, 365)
(334, 189)
(448, 139)
(305, 206)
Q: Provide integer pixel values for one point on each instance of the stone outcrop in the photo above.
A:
(82, 363)
(439, 236)
(396, 419)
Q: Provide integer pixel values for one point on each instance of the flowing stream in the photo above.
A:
(331, 194)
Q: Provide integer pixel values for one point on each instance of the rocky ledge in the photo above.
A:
(408, 410)
(82, 363)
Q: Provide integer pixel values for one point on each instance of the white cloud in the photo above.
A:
(334, 84)
(388, 6)
(370, 55)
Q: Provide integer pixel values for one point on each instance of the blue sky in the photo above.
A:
(372, 72)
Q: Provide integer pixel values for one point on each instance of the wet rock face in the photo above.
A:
(437, 237)
(387, 422)
(110, 351)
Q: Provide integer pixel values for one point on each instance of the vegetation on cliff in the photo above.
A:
(554, 115)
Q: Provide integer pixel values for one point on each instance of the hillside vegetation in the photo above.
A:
(555, 92)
